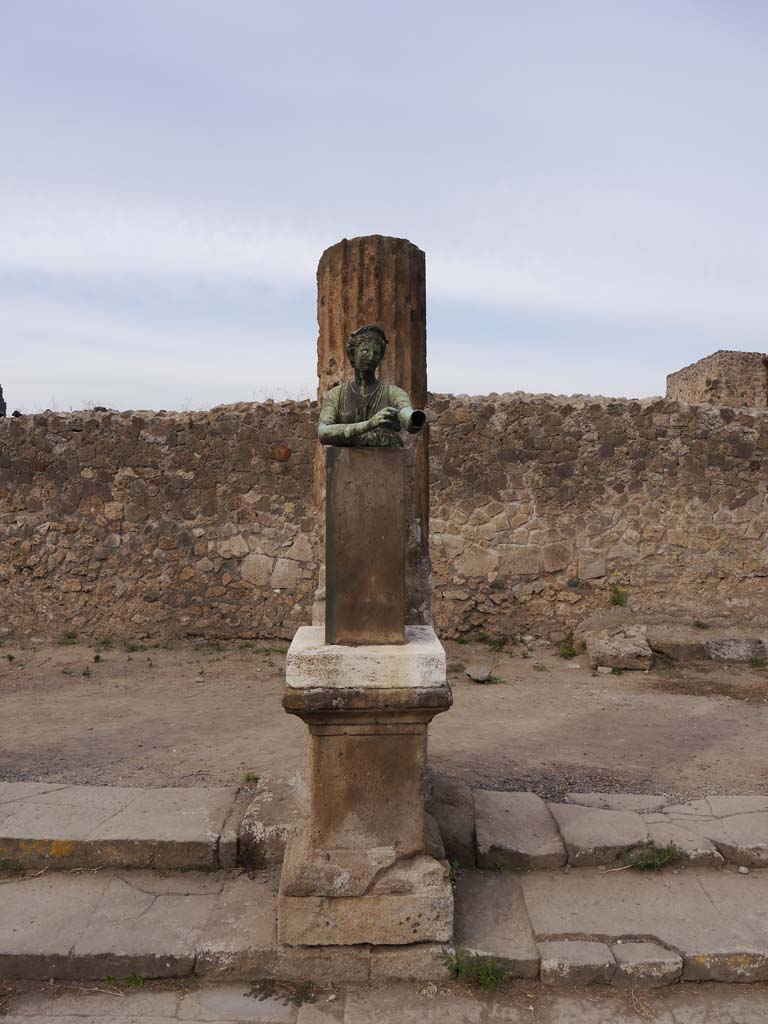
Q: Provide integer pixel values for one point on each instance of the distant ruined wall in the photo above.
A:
(540, 504)
(200, 524)
(724, 378)
(131, 524)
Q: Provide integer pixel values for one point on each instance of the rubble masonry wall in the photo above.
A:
(724, 378)
(174, 524)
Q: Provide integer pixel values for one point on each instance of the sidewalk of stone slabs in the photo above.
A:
(60, 827)
(76, 925)
(582, 927)
(403, 1003)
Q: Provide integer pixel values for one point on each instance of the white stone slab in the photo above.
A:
(419, 663)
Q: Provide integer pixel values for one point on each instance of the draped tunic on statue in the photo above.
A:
(348, 403)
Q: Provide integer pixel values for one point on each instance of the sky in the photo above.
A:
(586, 177)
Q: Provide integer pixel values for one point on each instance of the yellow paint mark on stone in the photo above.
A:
(47, 848)
(62, 847)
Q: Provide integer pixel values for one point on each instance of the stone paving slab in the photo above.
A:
(491, 920)
(645, 965)
(593, 836)
(713, 919)
(610, 828)
(93, 925)
(63, 827)
(576, 962)
(221, 925)
(693, 847)
(516, 830)
(409, 1003)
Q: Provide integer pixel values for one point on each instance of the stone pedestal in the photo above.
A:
(362, 870)
(365, 546)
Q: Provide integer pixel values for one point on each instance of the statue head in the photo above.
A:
(367, 346)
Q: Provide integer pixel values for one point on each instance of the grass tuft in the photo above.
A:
(566, 648)
(483, 971)
(653, 858)
(12, 868)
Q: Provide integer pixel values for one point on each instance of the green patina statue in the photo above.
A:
(367, 412)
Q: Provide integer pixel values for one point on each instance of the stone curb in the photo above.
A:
(520, 831)
(65, 827)
(59, 827)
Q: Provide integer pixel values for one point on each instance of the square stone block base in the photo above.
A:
(411, 901)
(391, 920)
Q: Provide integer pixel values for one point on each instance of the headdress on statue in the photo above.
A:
(366, 330)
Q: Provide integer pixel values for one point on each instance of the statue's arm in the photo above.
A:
(330, 431)
(410, 419)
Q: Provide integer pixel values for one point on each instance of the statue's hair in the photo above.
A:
(366, 330)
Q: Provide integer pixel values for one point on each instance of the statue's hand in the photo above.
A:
(386, 417)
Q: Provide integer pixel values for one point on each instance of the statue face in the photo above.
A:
(367, 354)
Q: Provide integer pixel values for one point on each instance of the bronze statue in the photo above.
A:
(367, 412)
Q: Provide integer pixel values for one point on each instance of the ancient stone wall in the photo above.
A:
(545, 509)
(131, 524)
(724, 378)
(165, 525)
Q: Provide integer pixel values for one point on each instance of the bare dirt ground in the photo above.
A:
(208, 713)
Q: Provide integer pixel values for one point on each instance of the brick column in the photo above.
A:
(376, 279)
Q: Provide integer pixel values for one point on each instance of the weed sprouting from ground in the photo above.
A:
(287, 993)
(483, 971)
(133, 980)
(67, 639)
(618, 595)
(698, 624)
(566, 648)
(756, 662)
(11, 868)
(653, 858)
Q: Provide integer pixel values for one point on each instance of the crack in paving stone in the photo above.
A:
(114, 814)
(31, 796)
(148, 892)
(87, 923)
(707, 895)
(607, 939)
